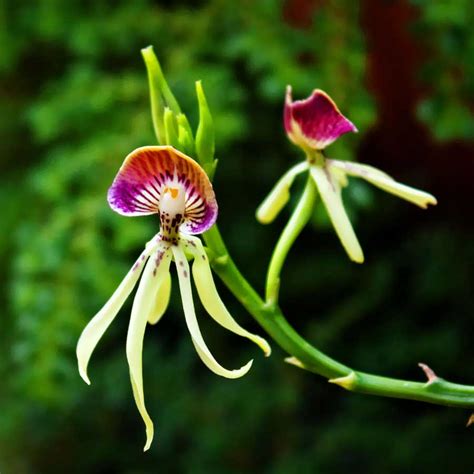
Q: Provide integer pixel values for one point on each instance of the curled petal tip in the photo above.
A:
(263, 344)
(430, 199)
(149, 439)
(357, 257)
(244, 369)
(84, 376)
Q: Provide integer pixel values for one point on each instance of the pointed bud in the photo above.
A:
(186, 143)
(205, 133)
(185, 135)
(171, 129)
(160, 93)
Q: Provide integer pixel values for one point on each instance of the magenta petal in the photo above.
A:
(138, 186)
(315, 122)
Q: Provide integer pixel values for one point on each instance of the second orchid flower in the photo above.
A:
(313, 124)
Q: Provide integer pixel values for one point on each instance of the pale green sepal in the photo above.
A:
(185, 135)
(384, 181)
(183, 122)
(279, 195)
(330, 191)
(97, 326)
(156, 99)
(205, 144)
(159, 81)
(208, 359)
(162, 300)
(171, 128)
(155, 270)
(211, 300)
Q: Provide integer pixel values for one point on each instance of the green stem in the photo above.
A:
(271, 318)
(293, 228)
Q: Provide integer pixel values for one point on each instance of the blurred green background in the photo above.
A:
(74, 103)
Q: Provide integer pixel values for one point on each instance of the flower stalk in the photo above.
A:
(273, 321)
(298, 220)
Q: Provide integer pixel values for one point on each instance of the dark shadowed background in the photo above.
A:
(74, 103)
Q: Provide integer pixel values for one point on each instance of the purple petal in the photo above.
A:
(315, 122)
(137, 188)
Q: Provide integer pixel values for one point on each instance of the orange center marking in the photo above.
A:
(173, 191)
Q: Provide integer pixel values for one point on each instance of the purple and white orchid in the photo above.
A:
(161, 180)
(313, 124)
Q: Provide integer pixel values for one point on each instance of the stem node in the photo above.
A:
(348, 382)
(429, 372)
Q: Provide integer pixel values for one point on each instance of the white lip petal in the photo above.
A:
(161, 300)
(154, 272)
(384, 181)
(330, 191)
(211, 300)
(97, 326)
(279, 195)
(182, 267)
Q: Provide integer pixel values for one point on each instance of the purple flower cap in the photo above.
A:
(314, 122)
(152, 173)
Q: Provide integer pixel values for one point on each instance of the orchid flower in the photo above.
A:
(313, 124)
(161, 180)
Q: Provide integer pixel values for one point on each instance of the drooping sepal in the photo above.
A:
(155, 270)
(315, 122)
(383, 181)
(97, 326)
(279, 195)
(211, 300)
(203, 351)
(330, 191)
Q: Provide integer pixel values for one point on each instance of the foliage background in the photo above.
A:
(74, 102)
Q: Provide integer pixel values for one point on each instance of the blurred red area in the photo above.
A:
(399, 140)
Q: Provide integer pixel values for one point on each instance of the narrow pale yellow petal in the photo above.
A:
(384, 181)
(162, 300)
(211, 300)
(330, 191)
(97, 326)
(184, 278)
(279, 195)
(155, 271)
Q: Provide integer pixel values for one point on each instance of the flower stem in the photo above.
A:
(295, 225)
(436, 390)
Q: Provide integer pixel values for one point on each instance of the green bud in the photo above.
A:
(186, 142)
(183, 122)
(160, 93)
(170, 128)
(205, 134)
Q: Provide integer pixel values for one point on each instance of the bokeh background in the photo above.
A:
(74, 102)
